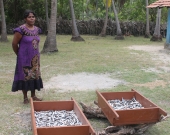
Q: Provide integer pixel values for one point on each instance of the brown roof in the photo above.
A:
(160, 3)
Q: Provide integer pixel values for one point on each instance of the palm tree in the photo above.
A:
(119, 35)
(75, 34)
(3, 30)
(103, 32)
(46, 12)
(156, 35)
(50, 44)
(147, 32)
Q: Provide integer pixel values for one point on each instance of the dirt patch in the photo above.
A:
(148, 48)
(158, 53)
(82, 81)
(24, 120)
(153, 85)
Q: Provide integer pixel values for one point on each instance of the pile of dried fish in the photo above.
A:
(125, 104)
(56, 118)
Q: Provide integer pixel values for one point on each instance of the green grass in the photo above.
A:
(95, 55)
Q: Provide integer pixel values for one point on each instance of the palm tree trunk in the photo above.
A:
(103, 32)
(3, 30)
(157, 36)
(147, 32)
(50, 44)
(15, 11)
(97, 4)
(75, 34)
(119, 32)
(31, 1)
(46, 12)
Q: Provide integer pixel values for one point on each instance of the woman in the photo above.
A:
(26, 46)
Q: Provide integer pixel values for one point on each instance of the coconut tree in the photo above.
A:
(103, 32)
(3, 23)
(50, 44)
(156, 35)
(46, 12)
(119, 35)
(75, 34)
(147, 32)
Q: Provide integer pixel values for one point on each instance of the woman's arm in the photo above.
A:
(15, 42)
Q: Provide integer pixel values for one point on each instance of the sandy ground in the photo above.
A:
(82, 81)
(87, 81)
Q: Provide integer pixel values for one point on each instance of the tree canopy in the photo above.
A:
(130, 10)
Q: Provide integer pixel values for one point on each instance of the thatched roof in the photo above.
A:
(160, 3)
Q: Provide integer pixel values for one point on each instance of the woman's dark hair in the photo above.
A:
(27, 12)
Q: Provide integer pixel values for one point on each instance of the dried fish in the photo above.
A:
(125, 104)
(56, 118)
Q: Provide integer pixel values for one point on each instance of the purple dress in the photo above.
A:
(27, 72)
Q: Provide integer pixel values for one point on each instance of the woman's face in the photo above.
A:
(30, 20)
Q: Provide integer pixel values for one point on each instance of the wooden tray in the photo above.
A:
(84, 129)
(151, 113)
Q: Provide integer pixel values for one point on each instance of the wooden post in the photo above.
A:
(167, 44)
